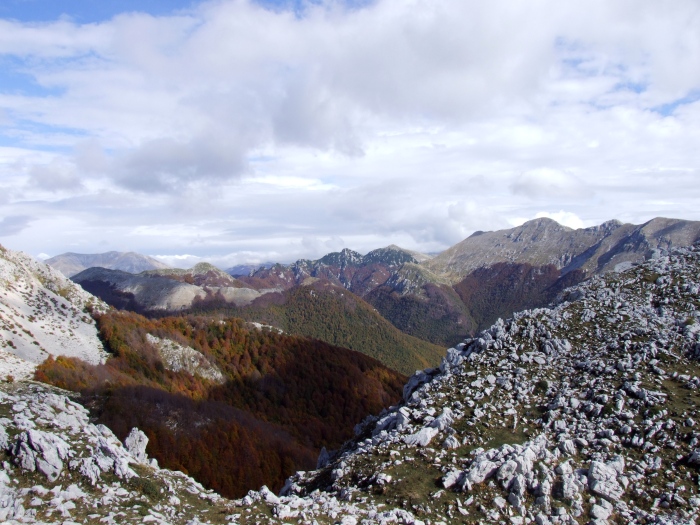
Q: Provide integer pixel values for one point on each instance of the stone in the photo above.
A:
(135, 444)
(599, 512)
(602, 480)
(43, 451)
(421, 438)
(452, 478)
(444, 420)
(481, 470)
(450, 443)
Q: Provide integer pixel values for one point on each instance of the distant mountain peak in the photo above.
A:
(543, 223)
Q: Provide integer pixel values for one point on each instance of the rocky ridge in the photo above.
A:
(581, 413)
(42, 313)
(57, 467)
(542, 242)
(164, 290)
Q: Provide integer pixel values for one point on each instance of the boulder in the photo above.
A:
(422, 437)
(602, 480)
(36, 450)
(135, 444)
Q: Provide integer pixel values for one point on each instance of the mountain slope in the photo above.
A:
(581, 413)
(70, 263)
(42, 313)
(585, 412)
(542, 242)
(164, 290)
(56, 466)
(321, 310)
(497, 273)
(256, 406)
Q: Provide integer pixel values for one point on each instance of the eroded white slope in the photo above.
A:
(42, 313)
(177, 357)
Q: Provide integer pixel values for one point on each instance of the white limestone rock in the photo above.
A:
(135, 444)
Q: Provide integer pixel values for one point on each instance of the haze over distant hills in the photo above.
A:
(70, 264)
(246, 269)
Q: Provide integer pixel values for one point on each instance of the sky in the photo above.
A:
(241, 131)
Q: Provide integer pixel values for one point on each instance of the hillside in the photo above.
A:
(581, 413)
(255, 405)
(493, 274)
(488, 275)
(42, 313)
(320, 310)
(585, 412)
(70, 263)
(164, 291)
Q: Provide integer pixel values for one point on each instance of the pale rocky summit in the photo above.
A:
(43, 313)
(70, 263)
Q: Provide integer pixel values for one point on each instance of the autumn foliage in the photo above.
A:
(283, 399)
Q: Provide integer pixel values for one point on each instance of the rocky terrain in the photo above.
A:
(42, 313)
(57, 467)
(585, 412)
(70, 263)
(581, 413)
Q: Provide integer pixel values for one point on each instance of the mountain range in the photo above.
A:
(585, 411)
(189, 382)
(436, 299)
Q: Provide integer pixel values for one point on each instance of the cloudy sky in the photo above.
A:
(245, 131)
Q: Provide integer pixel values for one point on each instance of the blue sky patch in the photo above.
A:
(668, 109)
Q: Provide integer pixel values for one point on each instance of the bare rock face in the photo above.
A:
(58, 467)
(42, 313)
(135, 444)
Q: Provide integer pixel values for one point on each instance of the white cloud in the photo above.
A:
(564, 217)
(230, 129)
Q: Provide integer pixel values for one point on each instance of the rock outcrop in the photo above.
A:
(57, 467)
(42, 313)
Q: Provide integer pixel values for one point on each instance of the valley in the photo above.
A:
(585, 411)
